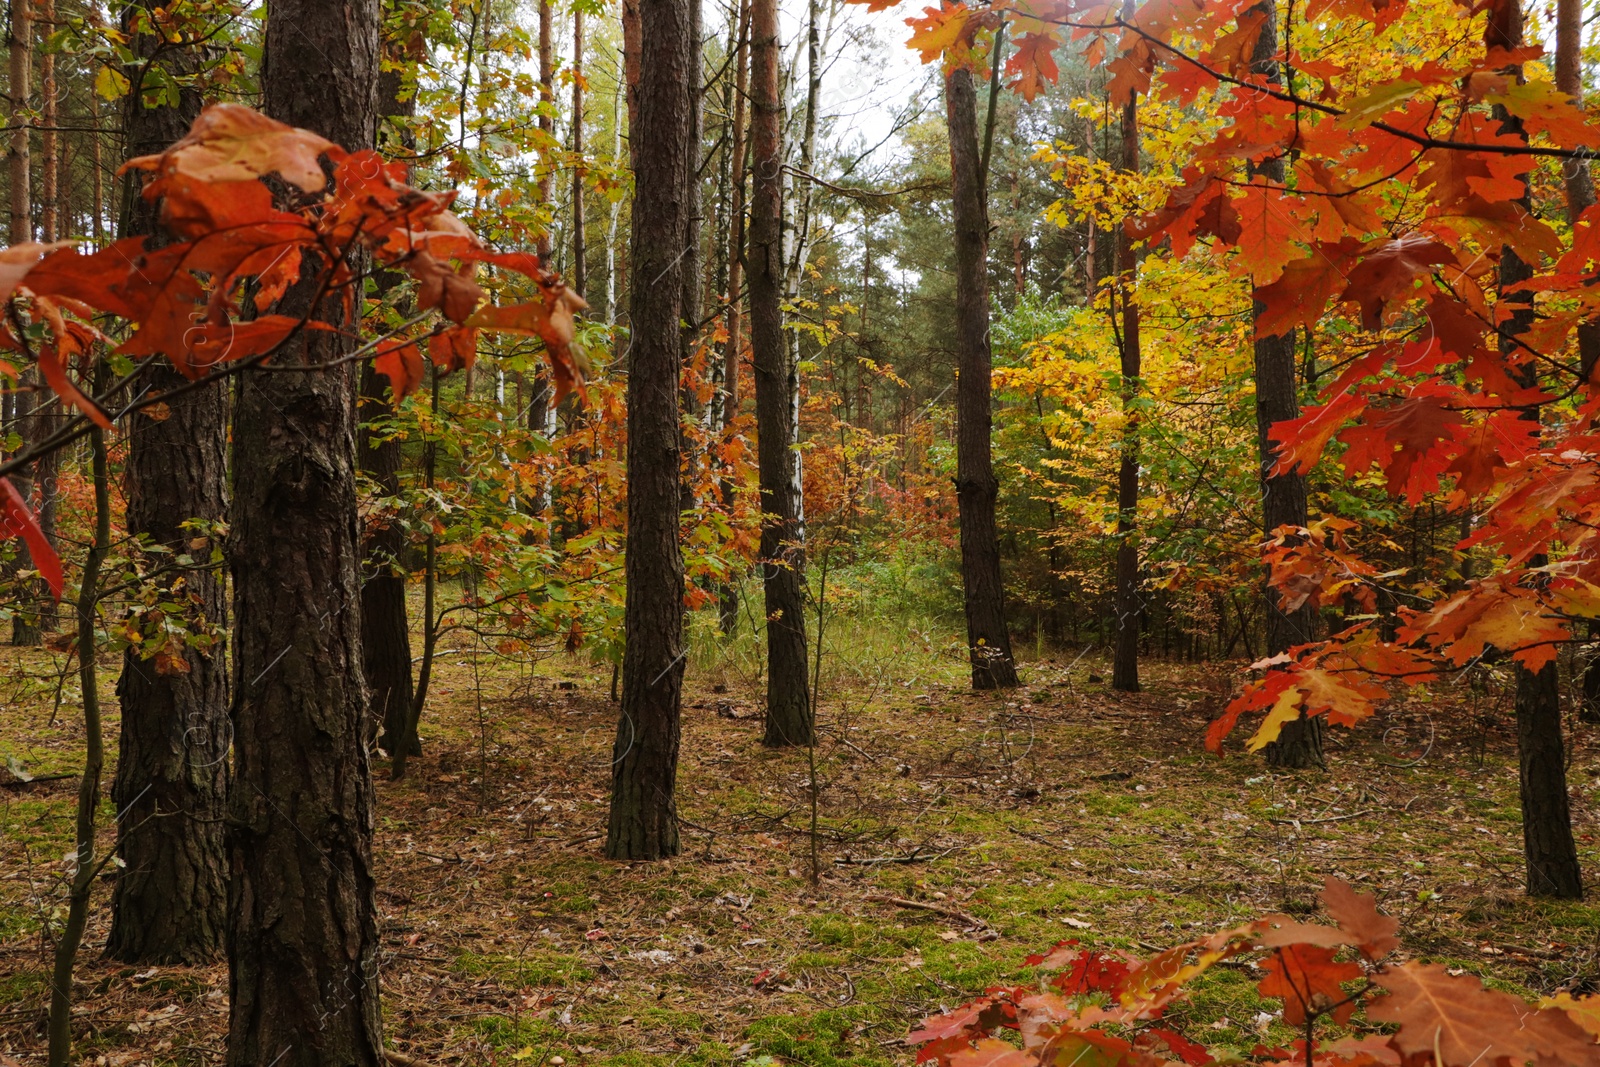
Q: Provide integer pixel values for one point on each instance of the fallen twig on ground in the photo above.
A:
(916, 855)
(918, 905)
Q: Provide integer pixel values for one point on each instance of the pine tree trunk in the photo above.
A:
(736, 253)
(170, 904)
(547, 117)
(789, 719)
(1579, 188)
(541, 407)
(47, 409)
(303, 939)
(19, 42)
(1130, 597)
(693, 255)
(580, 253)
(24, 629)
(977, 489)
(1578, 179)
(97, 186)
(1548, 846)
(385, 627)
(616, 208)
(1091, 265)
(644, 816)
(632, 49)
(1283, 496)
(49, 133)
(863, 399)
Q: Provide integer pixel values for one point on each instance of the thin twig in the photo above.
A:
(918, 905)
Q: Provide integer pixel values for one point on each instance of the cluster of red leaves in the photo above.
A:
(1399, 202)
(1106, 1009)
(232, 239)
(1459, 392)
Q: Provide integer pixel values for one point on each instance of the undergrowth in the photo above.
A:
(959, 832)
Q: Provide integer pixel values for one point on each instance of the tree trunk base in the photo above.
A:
(993, 672)
(1551, 854)
(1298, 747)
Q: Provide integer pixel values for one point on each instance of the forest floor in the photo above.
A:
(1061, 810)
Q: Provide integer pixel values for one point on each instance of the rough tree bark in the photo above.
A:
(46, 408)
(988, 640)
(547, 115)
(19, 43)
(580, 253)
(735, 256)
(49, 131)
(1130, 597)
(303, 939)
(385, 630)
(170, 903)
(789, 720)
(1283, 496)
(1579, 188)
(97, 185)
(1548, 847)
(644, 816)
(693, 255)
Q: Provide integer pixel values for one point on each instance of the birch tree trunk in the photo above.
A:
(789, 720)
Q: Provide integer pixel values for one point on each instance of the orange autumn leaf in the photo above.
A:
(1309, 981)
(18, 520)
(400, 361)
(1033, 64)
(233, 143)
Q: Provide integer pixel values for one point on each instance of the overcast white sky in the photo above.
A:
(871, 74)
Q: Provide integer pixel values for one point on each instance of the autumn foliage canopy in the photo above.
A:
(1402, 238)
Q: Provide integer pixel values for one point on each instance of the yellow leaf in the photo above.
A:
(937, 31)
(1585, 1011)
(1285, 709)
(111, 83)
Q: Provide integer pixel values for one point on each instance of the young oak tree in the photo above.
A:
(302, 991)
(1110, 1007)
